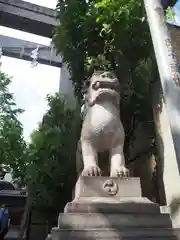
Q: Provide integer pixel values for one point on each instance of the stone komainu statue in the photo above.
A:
(102, 134)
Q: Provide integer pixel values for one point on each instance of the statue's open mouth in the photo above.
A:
(104, 93)
(105, 85)
(109, 91)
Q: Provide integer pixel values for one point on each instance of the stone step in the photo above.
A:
(124, 205)
(112, 234)
(93, 220)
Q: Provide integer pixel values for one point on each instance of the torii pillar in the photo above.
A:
(66, 86)
(167, 107)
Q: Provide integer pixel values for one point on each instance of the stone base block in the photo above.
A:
(112, 234)
(101, 187)
(124, 205)
(75, 221)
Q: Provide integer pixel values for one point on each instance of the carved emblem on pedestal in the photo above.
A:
(110, 187)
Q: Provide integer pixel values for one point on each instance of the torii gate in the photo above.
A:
(38, 20)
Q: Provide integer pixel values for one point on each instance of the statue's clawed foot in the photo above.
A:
(120, 171)
(92, 171)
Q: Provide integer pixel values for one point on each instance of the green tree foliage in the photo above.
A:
(12, 144)
(109, 34)
(51, 173)
(101, 34)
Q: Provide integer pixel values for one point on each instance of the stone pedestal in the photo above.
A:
(111, 208)
(95, 187)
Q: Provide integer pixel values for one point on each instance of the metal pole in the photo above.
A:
(167, 65)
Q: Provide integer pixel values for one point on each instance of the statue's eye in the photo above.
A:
(110, 75)
(103, 76)
(96, 85)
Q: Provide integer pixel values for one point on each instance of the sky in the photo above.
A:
(30, 85)
(45, 3)
(176, 10)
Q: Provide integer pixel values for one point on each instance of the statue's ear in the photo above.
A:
(119, 98)
(118, 101)
(86, 84)
(85, 90)
(91, 97)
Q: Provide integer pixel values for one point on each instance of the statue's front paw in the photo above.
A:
(92, 171)
(121, 171)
